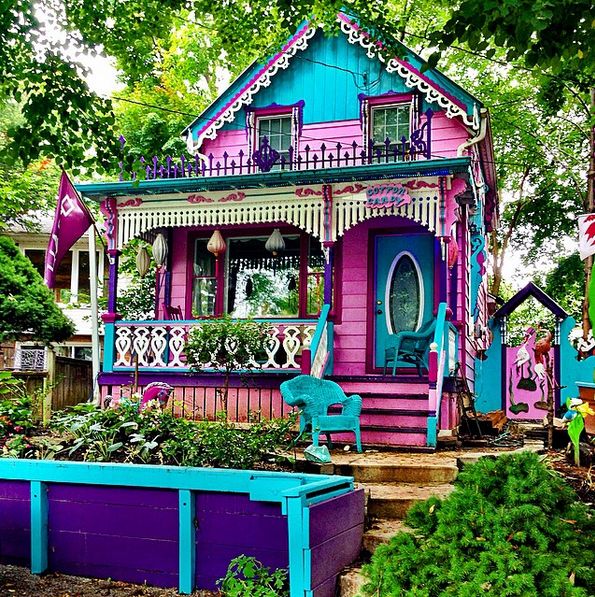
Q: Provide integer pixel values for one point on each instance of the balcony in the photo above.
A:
(266, 159)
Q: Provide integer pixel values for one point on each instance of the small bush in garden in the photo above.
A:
(511, 527)
(226, 345)
(247, 577)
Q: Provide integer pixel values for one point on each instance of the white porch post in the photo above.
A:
(94, 316)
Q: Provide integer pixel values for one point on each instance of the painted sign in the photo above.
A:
(387, 195)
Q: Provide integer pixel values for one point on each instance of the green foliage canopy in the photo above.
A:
(26, 305)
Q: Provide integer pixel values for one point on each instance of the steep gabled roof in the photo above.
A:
(434, 86)
(522, 295)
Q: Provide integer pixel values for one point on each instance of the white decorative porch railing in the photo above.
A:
(161, 344)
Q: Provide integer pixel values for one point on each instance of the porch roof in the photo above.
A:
(287, 178)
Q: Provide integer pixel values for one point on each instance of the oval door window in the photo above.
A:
(405, 300)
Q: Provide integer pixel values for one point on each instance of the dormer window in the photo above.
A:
(391, 116)
(281, 125)
(277, 130)
(390, 122)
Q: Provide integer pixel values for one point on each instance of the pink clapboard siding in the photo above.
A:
(350, 335)
(179, 270)
(330, 133)
(230, 141)
(447, 135)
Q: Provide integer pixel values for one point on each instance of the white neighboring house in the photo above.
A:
(72, 293)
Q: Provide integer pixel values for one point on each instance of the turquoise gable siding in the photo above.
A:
(329, 94)
(328, 76)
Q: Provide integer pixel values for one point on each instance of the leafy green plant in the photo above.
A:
(227, 345)
(16, 406)
(247, 577)
(159, 437)
(511, 527)
(17, 409)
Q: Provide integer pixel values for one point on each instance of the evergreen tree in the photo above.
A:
(511, 527)
(26, 304)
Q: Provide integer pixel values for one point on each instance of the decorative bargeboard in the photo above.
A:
(305, 209)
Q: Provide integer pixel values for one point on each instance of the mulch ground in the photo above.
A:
(581, 479)
(19, 582)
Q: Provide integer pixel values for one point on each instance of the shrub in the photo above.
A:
(154, 436)
(247, 577)
(26, 304)
(511, 527)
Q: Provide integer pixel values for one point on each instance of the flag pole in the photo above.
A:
(94, 315)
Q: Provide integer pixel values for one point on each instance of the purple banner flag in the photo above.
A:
(71, 220)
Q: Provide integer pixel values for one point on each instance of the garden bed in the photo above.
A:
(19, 582)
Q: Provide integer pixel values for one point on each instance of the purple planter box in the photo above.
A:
(124, 522)
(15, 523)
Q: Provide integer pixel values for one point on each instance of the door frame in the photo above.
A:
(413, 229)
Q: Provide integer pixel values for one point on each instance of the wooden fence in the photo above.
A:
(64, 382)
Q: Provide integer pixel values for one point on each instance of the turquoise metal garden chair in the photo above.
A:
(410, 347)
(313, 397)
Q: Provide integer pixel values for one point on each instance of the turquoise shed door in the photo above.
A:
(404, 298)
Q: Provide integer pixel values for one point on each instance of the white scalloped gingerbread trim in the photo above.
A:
(264, 80)
(432, 95)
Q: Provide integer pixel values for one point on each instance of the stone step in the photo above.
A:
(394, 500)
(382, 531)
(351, 582)
(395, 471)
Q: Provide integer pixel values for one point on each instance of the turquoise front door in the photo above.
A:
(404, 297)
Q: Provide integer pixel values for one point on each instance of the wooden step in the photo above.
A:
(395, 471)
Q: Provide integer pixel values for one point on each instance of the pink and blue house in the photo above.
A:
(343, 198)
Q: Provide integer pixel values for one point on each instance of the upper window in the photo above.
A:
(277, 130)
(392, 123)
(388, 122)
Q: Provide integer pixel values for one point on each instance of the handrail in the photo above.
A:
(438, 369)
(321, 346)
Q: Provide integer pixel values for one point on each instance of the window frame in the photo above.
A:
(386, 101)
(254, 116)
(221, 290)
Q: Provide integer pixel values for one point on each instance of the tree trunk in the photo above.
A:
(589, 208)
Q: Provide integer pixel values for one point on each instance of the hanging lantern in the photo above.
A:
(216, 244)
(142, 261)
(275, 243)
(160, 250)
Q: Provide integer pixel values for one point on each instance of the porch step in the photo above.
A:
(398, 471)
(381, 532)
(385, 435)
(393, 501)
(370, 386)
(389, 417)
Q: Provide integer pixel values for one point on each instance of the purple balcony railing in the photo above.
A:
(268, 159)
